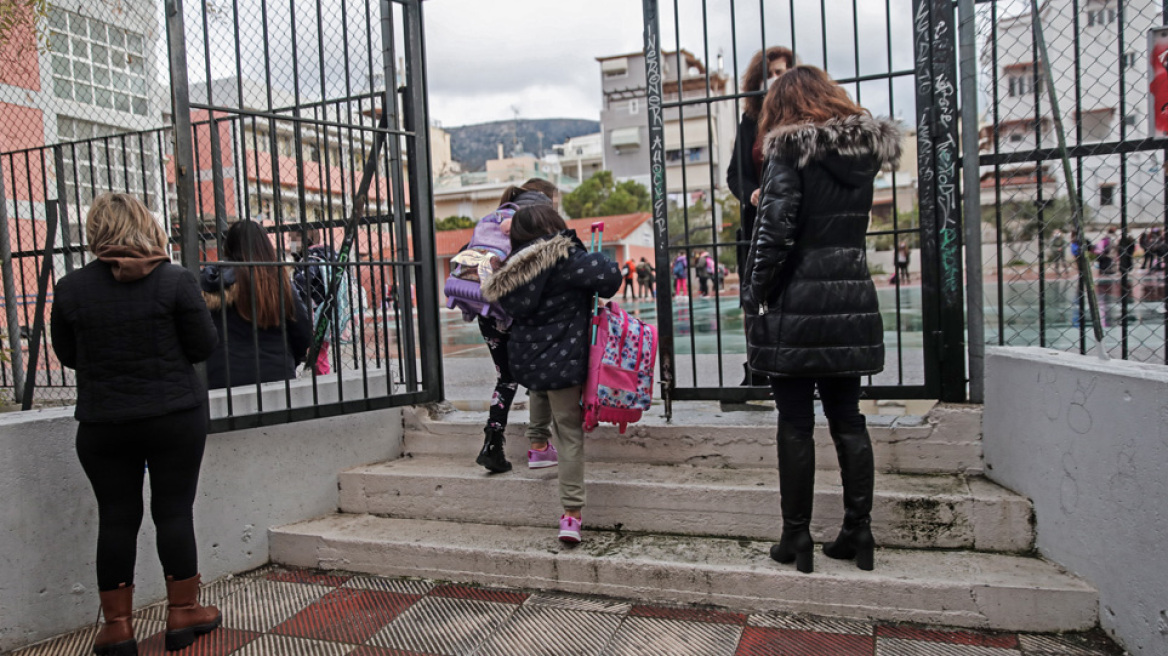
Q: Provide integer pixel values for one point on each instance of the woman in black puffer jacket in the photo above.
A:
(546, 286)
(132, 324)
(812, 315)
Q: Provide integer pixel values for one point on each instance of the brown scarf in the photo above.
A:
(128, 264)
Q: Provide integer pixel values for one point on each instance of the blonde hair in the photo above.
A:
(122, 220)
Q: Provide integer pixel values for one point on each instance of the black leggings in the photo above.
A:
(795, 398)
(505, 385)
(115, 457)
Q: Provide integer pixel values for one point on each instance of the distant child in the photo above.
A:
(680, 275)
(546, 286)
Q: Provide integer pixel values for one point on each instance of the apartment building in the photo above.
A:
(1103, 95)
(698, 140)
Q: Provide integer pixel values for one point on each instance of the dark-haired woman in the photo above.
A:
(132, 324)
(247, 300)
(813, 320)
(745, 170)
(495, 332)
(546, 285)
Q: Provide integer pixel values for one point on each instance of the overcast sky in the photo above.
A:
(486, 57)
(540, 57)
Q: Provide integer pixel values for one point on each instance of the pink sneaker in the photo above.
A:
(570, 529)
(541, 459)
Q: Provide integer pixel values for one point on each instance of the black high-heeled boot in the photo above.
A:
(855, 541)
(796, 493)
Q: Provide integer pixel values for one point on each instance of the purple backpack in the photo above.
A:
(487, 249)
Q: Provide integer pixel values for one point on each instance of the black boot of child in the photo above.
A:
(491, 456)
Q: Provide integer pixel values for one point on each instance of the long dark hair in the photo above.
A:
(544, 187)
(531, 223)
(805, 94)
(246, 241)
(756, 74)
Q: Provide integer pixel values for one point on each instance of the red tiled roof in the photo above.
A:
(616, 229)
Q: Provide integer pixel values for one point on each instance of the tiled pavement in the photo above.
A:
(280, 612)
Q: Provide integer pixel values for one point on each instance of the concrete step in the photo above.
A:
(921, 511)
(946, 441)
(958, 588)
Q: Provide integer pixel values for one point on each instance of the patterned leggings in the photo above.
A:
(505, 385)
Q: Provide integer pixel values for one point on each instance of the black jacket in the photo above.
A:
(811, 307)
(742, 179)
(237, 352)
(133, 344)
(547, 288)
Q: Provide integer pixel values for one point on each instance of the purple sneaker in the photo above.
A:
(541, 459)
(570, 529)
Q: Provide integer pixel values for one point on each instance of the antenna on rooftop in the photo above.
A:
(515, 130)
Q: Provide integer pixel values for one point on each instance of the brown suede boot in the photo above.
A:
(116, 637)
(185, 618)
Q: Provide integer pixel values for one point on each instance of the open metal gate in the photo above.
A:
(895, 59)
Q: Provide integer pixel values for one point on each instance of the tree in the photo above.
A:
(601, 195)
(22, 30)
(454, 223)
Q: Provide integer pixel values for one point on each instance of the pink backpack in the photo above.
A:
(619, 386)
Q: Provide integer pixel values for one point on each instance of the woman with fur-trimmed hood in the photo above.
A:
(546, 286)
(282, 326)
(813, 320)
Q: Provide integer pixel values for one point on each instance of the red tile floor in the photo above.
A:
(281, 612)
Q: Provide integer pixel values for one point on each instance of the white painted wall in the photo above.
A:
(251, 480)
(1087, 441)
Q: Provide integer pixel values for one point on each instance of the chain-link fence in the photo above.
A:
(301, 119)
(1107, 67)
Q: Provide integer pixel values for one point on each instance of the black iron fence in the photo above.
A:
(896, 58)
(308, 120)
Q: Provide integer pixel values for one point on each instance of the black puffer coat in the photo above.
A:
(132, 343)
(547, 288)
(742, 180)
(811, 307)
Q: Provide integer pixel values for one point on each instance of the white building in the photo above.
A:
(579, 157)
(1113, 106)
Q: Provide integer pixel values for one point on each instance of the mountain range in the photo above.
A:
(473, 145)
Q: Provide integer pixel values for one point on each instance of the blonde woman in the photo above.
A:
(132, 324)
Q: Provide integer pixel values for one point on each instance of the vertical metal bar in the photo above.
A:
(62, 205)
(183, 147)
(11, 314)
(421, 203)
(927, 183)
(1123, 235)
(948, 217)
(410, 104)
(971, 212)
(656, 116)
(38, 322)
(715, 222)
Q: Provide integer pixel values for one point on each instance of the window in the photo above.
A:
(1106, 195)
(97, 64)
(1100, 17)
(1128, 60)
(127, 164)
(634, 106)
(1130, 120)
(1022, 81)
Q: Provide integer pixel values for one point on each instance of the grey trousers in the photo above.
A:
(561, 408)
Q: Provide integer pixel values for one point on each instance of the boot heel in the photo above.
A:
(127, 648)
(865, 558)
(804, 562)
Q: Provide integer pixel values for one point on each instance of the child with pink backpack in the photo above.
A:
(546, 286)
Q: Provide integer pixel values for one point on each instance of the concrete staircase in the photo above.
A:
(686, 512)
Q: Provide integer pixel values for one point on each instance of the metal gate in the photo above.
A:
(897, 60)
(308, 118)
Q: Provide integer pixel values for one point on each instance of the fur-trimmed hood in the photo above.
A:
(854, 138)
(526, 265)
